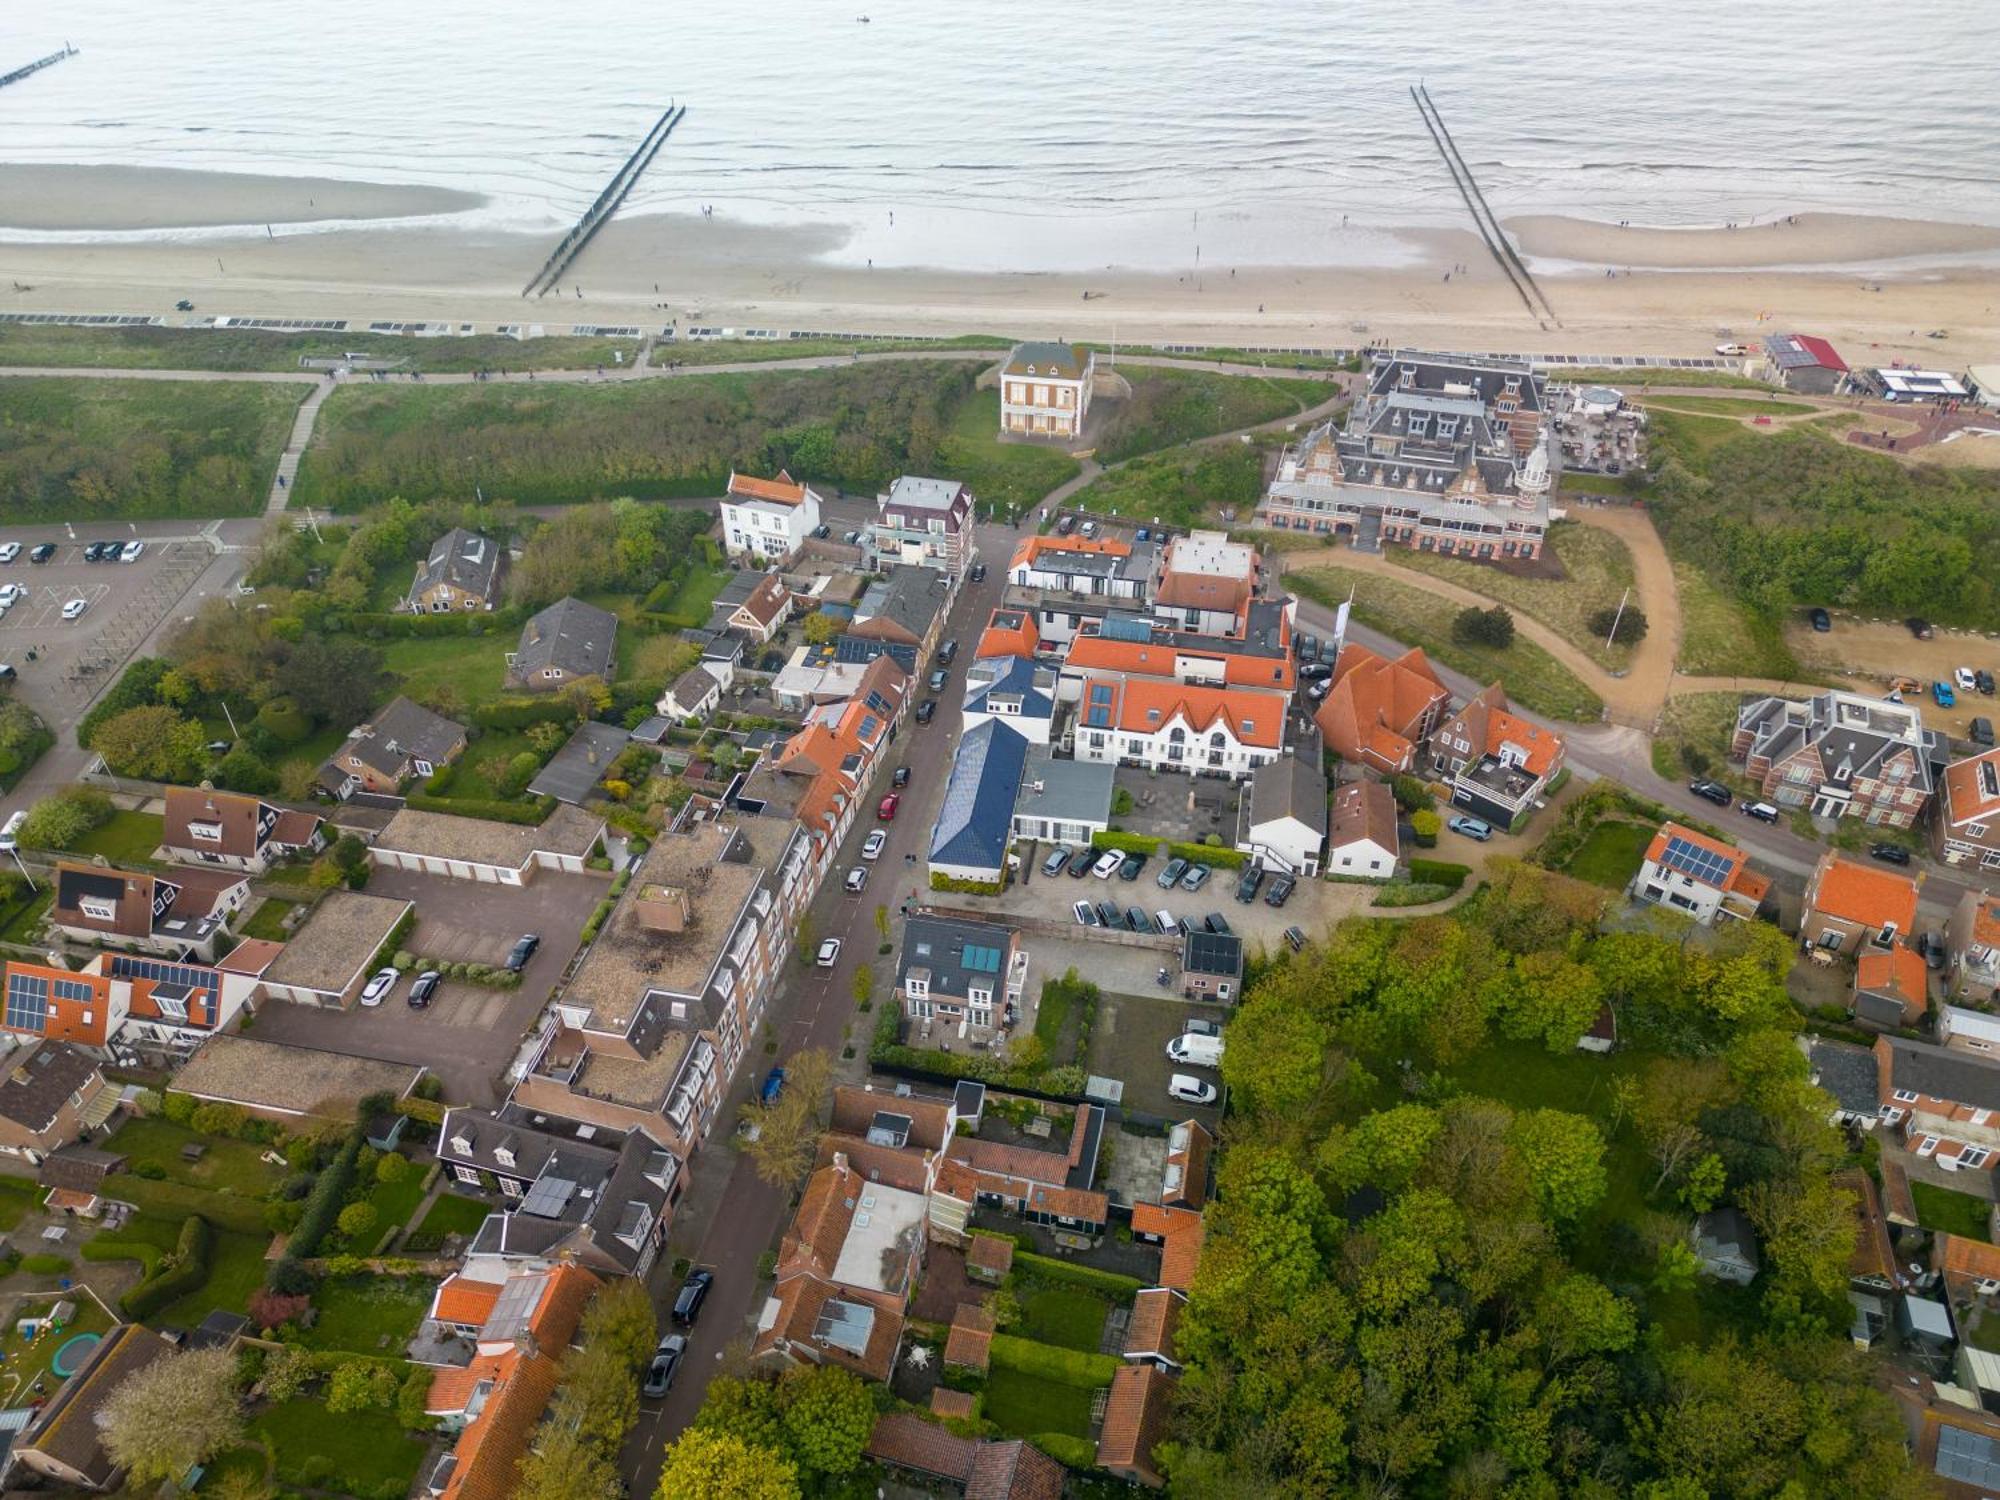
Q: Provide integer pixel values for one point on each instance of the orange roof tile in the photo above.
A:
(1375, 706)
(1147, 707)
(490, 1450)
(1873, 1257)
(1738, 877)
(71, 1198)
(1543, 746)
(1966, 789)
(251, 956)
(462, 1300)
(1210, 591)
(819, 1228)
(1184, 1232)
(1963, 1259)
(800, 1299)
(970, 1342)
(781, 490)
(1158, 659)
(1135, 1419)
(1156, 1312)
(1899, 972)
(1029, 552)
(1009, 632)
(1858, 893)
(453, 1389)
(554, 1321)
(948, 1403)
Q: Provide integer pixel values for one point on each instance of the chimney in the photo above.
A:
(664, 908)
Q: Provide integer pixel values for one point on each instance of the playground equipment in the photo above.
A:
(70, 1357)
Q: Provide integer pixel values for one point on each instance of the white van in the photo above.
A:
(10, 835)
(1202, 1051)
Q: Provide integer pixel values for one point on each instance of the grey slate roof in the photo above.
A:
(40, 1083)
(1852, 734)
(913, 492)
(464, 559)
(1047, 357)
(1943, 1073)
(401, 732)
(975, 820)
(1074, 791)
(1724, 1234)
(1844, 1071)
(955, 953)
(581, 764)
(1292, 786)
(569, 634)
(910, 597)
(1026, 689)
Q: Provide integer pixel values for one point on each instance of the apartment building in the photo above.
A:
(1840, 755)
(1206, 583)
(1966, 830)
(926, 523)
(1095, 567)
(1045, 390)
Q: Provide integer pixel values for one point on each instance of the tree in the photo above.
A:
(1553, 997)
(349, 856)
(864, 983)
(1425, 825)
(1492, 627)
(1631, 624)
(562, 1464)
(744, 1407)
(393, 1166)
(1413, 794)
(244, 770)
(1579, 1315)
(356, 1219)
(1701, 1189)
(172, 1414)
(1564, 1156)
(519, 772)
(65, 816)
(828, 1414)
(821, 629)
(284, 720)
(154, 743)
(621, 1318)
(360, 1385)
(288, 1369)
(788, 1129)
(585, 697)
(598, 1395)
(336, 680)
(703, 1465)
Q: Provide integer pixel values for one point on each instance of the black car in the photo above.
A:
(1081, 861)
(901, 778)
(1313, 671)
(1108, 915)
(1822, 622)
(978, 573)
(523, 950)
(42, 552)
(946, 652)
(1280, 891)
(1134, 863)
(424, 988)
(1983, 680)
(1246, 888)
(1920, 627)
(694, 1292)
(1137, 920)
(1889, 854)
(95, 552)
(665, 1366)
(926, 710)
(822, 532)
(1216, 922)
(1713, 791)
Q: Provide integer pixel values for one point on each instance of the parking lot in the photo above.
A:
(1129, 1042)
(468, 1034)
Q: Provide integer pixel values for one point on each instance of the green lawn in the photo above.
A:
(1641, 378)
(1068, 1316)
(21, 922)
(1599, 568)
(1953, 1212)
(394, 1202)
(1183, 486)
(1534, 679)
(1610, 856)
(356, 1313)
(485, 758)
(251, 349)
(17, 1196)
(367, 1451)
(268, 920)
(692, 599)
(475, 665)
(1693, 436)
(94, 450)
(228, 1166)
(1022, 1405)
(1009, 477)
(1171, 407)
(1693, 739)
(129, 838)
(1719, 638)
(452, 1214)
(1621, 485)
(1729, 406)
(236, 1268)
(23, 1363)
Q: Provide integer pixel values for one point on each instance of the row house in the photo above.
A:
(902, 614)
(1258, 655)
(463, 571)
(1972, 945)
(767, 520)
(1444, 453)
(1051, 1188)
(1203, 731)
(1699, 876)
(1840, 755)
(184, 914)
(925, 523)
(237, 832)
(962, 978)
(1498, 763)
(50, 1094)
(1943, 1103)
(1966, 830)
(664, 1004)
(1206, 583)
(1093, 567)
(1008, 632)
(1045, 389)
(1282, 819)
(1058, 616)
(752, 605)
(1013, 690)
(138, 1002)
(1379, 713)
(1856, 908)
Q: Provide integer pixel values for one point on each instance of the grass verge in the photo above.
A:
(1720, 638)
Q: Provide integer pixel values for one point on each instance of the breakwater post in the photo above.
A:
(606, 205)
(37, 65)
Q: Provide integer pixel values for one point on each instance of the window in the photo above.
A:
(510, 1187)
(1927, 1146)
(98, 909)
(1973, 1156)
(467, 1174)
(1904, 1096)
(207, 832)
(1891, 1115)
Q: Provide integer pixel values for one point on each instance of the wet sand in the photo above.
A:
(111, 198)
(1787, 240)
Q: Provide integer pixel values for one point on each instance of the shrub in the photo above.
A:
(1439, 872)
(410, 1399)
(269, 1309)
(519, 713)
(1492, 627)
(1403, 893)
(178, 1107)
(219, 1119)
(283, 718)
(179, 1273)
(393, 1167)
(940, 882)
(356, 1219)
(65, 816)
(152, 1171)
(1413, 794)
(1046, 1268)
(288, 1370)
(1071, 1452)
(1624, 628)
(526, 813)
(1425, 826)
(323, 1206)
(290, 1277)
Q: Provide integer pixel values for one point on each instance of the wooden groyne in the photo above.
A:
(544, 280)
(1483, 217)
(37, 65)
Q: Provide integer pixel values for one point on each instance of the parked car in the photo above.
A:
(978, 573)
(829, 954)
(1170, 877)
(1216, 922)
(885, 811)
(1107, 864)
(1980, 732)
(1202, 1051)
(946, 652)
(1246, 887)
(1713, 791)
(938, 678)
(1763, 812)
(1082, 862)
(94, 551)
(1201, 1026)
(1931, 946)
(822, 531)
(856, 879)
(523, 950)
(926, 710)
(1196, 877)
(1109, 915)
(1168, 924)
(1065, 525)
(1086, 914)
(1190, 1090)
(10, 835)
(1963, 680)
(901, 778)
(75, 608)
(1131, 866)
(9, 551)
(379, 984)
(853, 538)
(1295, 939)
(1889, 854)
(1472, 828)
(666, 1364)
(1280, 891)
(774, 1085)
(694, 1292)
(9, 592)
(1137, 921)
(1307, 646)
(42, 552)
(425, 987)
(1822, 622)
(1313, 671)
(1920, 627)
(874, 844)
(1983, 680)
(1058, 857)
(131, 551)
(1943, 695)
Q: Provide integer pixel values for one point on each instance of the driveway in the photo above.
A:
(1129, 1042)
(469, 1034)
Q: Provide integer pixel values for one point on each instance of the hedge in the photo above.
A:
(1047, 1268)
(1438, 872)
(1071, 1452)
(526, 813)
(323, 1204)
(430, 1111)
(371, 623)
(386, 951)
(1405, 893)
(1071, 1367)
(520, 713)
(187, 1271)
(110, 1247)
(1139, 843)
(954, 883)
(176, 1200)
(1054, 1083)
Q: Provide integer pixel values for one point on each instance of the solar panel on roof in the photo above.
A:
(845, 1325)
(548, 1197)
(981, 959)
(1693, 860)
(1968, 1457)
(1121, 628)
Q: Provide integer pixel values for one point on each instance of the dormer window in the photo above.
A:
(461, 1142)
(98, 909)
(210, 833)
(504, 1155)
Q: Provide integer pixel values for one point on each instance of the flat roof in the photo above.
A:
(481, 841)
(336, 942)
(886, 1221)
(294, 1080)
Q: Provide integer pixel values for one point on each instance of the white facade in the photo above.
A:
(1175, 745)
(768, 530)
(1294, 844)
(1683, 893)
(693, 697)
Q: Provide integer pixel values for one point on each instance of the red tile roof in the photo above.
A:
(1858, 893)
(1543, 747)
(1009, 632)
(1738, 878)
(1135, 1419)
(946, 1402)
(251, 956)
(1156, 1312)
(1820, 350)
(462, 1300)
(910, 1442)
(490, 1450)
(989, 1253)
(1899, 972)
(1183, 1230)
(781, 490)
(1966, 796)
(1374, 706)
(1091, 652)
(1031, 551)
(1147, 706)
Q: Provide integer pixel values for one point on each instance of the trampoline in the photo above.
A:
(67, 1360)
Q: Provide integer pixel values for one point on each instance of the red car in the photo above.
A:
(887, 811)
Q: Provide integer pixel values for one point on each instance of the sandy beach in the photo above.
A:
(110, 198)
(656, 270)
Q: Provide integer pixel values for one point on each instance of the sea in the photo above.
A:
(1044, 134)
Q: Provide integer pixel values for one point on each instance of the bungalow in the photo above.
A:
(207, 827)
(1378, 713)
(694, 695)
(1700, 876)
(1805, 363)
(63, 1440)
(752, 605)
(328, 959)
(1848, 1075)
(1364, 841)
(403, 741)
(288, 1083)
(51, 1094)
(1941, 1101)
(179, 915)
(973, 830)
(1972, 945)
(967, 977)
(1966, 830)
(1282, 819)
(1872, 1266)
(1852, 907)
(488, 852)
(463, 571)
(574, 772)
(566, 641)
(1499, 763)
(1149, 1337)
(767, 520)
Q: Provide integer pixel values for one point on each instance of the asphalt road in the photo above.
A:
(811, 1010)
